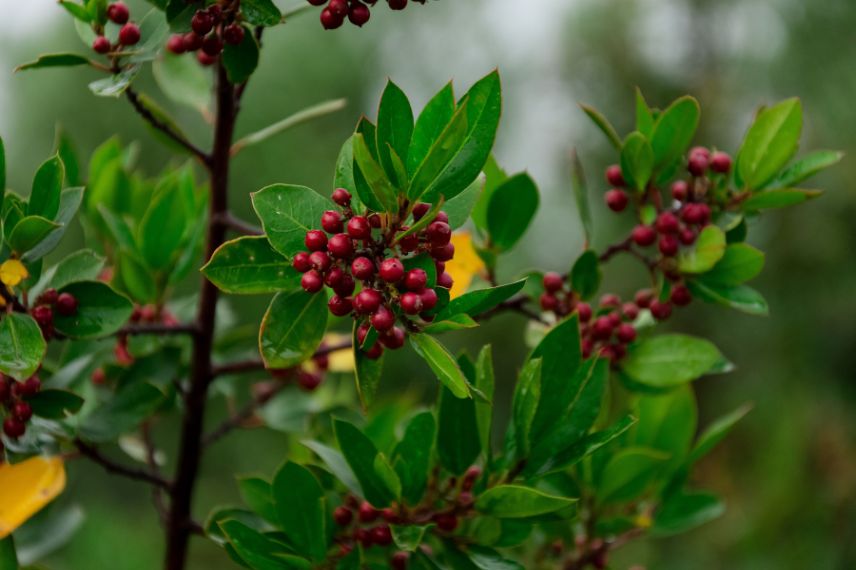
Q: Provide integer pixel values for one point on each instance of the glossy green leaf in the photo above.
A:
(413, 454)
(629, 473)
(21, 345)
(740, 263)
(115, 85)
(667, 422)
(257, 550)
(644, 115)
(706, 252)
(458, 441)
(257, 493)
(292, 328)
(770, 143)
(674, 130)
(126, 410)
(685, 511)
(516, 501)
(430, 124)
(162, 228)
(100, 311)
(55, 404)
(637, 160)
(54, 60)
(669, 360)
(716, 432)
(47, 186)
(559, 351)
(83, 265)
(778, 198)
(409, 537)
(69, 203)
(454, 323)
(367, 373)
(338, 466)
(249, 265)
(79, 12)
(480, 300)
(261, 12)
(240, 61)
(740, 297)
(394, 129)
(485, 383)
(805, 168)
(603, 124)
(580, 188)
(301, 508)
(442, 363)
(287, 212)
(135, 278)
(527, 394)
(381, 195)
(586, 274)
(511, 209)
(361, 454)
(28, 232)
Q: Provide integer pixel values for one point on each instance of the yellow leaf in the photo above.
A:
(26, 487)
(465, 265)
(340, 360)
(12, 272)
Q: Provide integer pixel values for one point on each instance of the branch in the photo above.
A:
(160, 125)
(615, 249)
(516, 305)
(255, 364)
(111, 466)
(244, 414)
(238, 225)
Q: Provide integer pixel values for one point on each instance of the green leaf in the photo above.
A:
(162, 229)
(101, 311)
(586, 274)
(47, 186)
(510, 211)
(413, 454)
(55, 60)
(485, 382)
(629, 473)
(527, 393)
(483, 558)
(257, 550)
(292, 328)
(409, 537)
(55, 404)
(740, 263)
(674, 131)
(580, 188)
(83, 265)
(430, 124)
(21, 346)
(69, 203)
(261, 12)
(67, 154)
(516, 501)
(494, 176)
(183, 80)
(454, 323)
(298, 118)
(8, 556)
(76, 10)
(740, 297)
(480, 300)
(683, 512)
(2, 171)
(669, 360)
(708, 249)
(240, 61)
(381, 196)
(136, 279)
(249, 265)
(603, 124)
(301, 508)
(423, 222)
(778, 198)
(667, 422)
(805, 168)
(637, 160)
(115, 85)
(287, 212)
(28, 232)
(716, 432)
(458, 441)
(367, 373)
(337, 465)
(257, 493)
(770, 143)
(361, 454)
(442, 363)
(126, 410)
(394, 129)
(644, 116)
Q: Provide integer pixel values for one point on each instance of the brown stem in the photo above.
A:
(163, 127)
(179, 521)
(239, 226)
(237, 419)
(143, 475)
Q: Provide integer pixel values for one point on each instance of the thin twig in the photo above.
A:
(143, 475)
(249, 409)
(615, 249)
(238, 225)
(151, 460)
(160, 125)
(255, 364)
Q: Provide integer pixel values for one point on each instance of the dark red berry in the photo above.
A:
(698, 163)
(381, 535)
(445, 281)
(602, 328)
(374, 352)
(30, 387)
(362, 268)
(345, 286)
(681, 295)
(233, 34)
(359, 13)
(308, 381)
(367, 513)
(630, 310)
(397, 4)
(311, 282)
(614, 318)
(99, 377)
(342, 197)
(317, 2)
(408, 243)
(643, 236)
(341, 246)
(444, 253)
(301, 262)
(315, 240)
(610, 300)
(429, 299)
(416, 280)
(383, 319)
(66, 304)
(442, 217)
(359, 228)
(212, 45)
(700, 150)
(334, 277)
(419, 210)
(192, 42)
(446, 522)
(411, 303)
(202, 22)
(340, 306)
(680, 190)
(320, 260)
(5, 389)
(391, 270)
(439, 233)
(667, 223)
(101, 45)
(338, 7)
(553, 282)
(720, 162)
(22, 411)
(616, 199)
(343, 516)
(49, 297)
(614, 176)
(660, 310)
(625, 333)
(687, 236)
(331, 221)
(118, 13)
(364, 537)
(330, 20)
(668, 245)
(399, 560)
(204, 59)
(367, 301)
(43, 315)
(175, 44)
(375, 220)
(549, 302)
(643, 298)
(13, 427)
(129, 34)
(393, 339)
(584, 311)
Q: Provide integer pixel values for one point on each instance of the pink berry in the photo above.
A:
(667, 223)
(643, 235)
(680, 190)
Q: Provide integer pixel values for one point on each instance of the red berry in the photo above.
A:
(204, 59)
(331, 221)
(334, 277)
(393, 339)
(610, 300)
(375, 220)
(101, 45)
(444, 253)
(31, 386)
(630, 310)
(367, 301)
(439, 233)
(668, 245)
(308, 381)
(411, 303)
(343, 516)
(364, 537)
(340, 306)
(408, 243)
(397, 4)
(667, 223)
(660, 310)
(381, 535)
(320, 260)
(129, 34)
(374, 352)
(362, 268)
(338, 7)
(643, 236)
(5, 389)
(616, 199)
(614, 176)
(192, 42)
(614, 318)
(445, 281)
(317, 2)
(341, 246)
(446, 522)
(13, 427)
(233, 34)
(643, 298)
(315, 240)
(43, 315)
(383, 319)
(99, 377)
(367, 513)
(311, 282)
(212, 45)
(342, 197)
(118, 13)
(345, 286)
(470, 477)
(429, 299)
(584, 311)
(625, 333)
(359, 228)
(602, 328)
(66, 304)
(680, 190)
(416, 280)
(442, 217)
(301, 262)
(687, 236)
(362, 333)
(49, 297)
(720, 162)
(698, 163)
(419, 211)
(391, 270)
(202, 22)
(549, 302)
(22, 411)
(175, 44)
(553, 282)
(440, 266)
(681, 295)
(399, 560)
(700, 150)
(330, 20)
(359, 13)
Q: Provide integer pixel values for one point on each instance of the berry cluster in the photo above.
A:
(353, 248)
(129, 33)
(444, 505)
(356, 11)
(212, 28)
(13, 397)
(49, 303)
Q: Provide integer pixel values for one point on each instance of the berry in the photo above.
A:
(5, 389)
(625, 333)
(192, 42)
(342, 197)
(553, 282)
(408, 243)
(643, 236)
(374, 352)
(383, 319)
(367, 301)
(419, 210)
(466, 499)
(311, 281)
(610, 300)
(429, 299)
(331, 221)
(416, 279)
(667, 223)
(129, 34)
(687, 236)
(315, 240)
(391, 270)
(397, 4)
(359, 228)
(101, 45)
(643, 298)
(616, 199)
(202, 22)
(445, 281)
(399, 560)
(99, 377)
(320, 260)
(381, 535)
(439, 233)
(367, 513)
(614, 176)
(308, 381)
(720, 162)
(602, 328)
(301, 262)
(30, 387)
(338, 7)
(212, 45)
(362, 268)
(364, 537)
(698, 164)
(411, 303)
(444, 253)
(668, 245)
(233, 34)
(681, 295)
(549, 302)
(345, 286)
(118, 13)
(49, 297)
(13, 427)
(630, 310)
(334, 277)
(340, 246)
(343, 516)
(701, 151)
(446, 522)
(22, 411)
(660, 310)
(175, 44)
(614, 318)
(584, 311)
(442, 217)
(680, 190)
(331, 20)
(204, 59)
(43, 315)
(66, 304)
(375, 220)
(359, 13)
(340, 306)
(394, 339)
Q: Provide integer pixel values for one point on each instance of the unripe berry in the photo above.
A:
(416, 279)
(367, 513)
(553, 282)
(381, 535)
(660, 310)
(101, 45)
(614, 176)
(643, 236)
(393, 339)
(341, 197)
(625, 333)
(584, 311)
(616, 199)
(391, 270)
(308, 381)
(397, 4)
(439, 233)
(668, 245)
(340, 246)
(320, 260)
(680, 190)
(118, 13)
(359, 13)
(411, 303)
(383, 319)
(343, 516)
(720, 162)
(667, 223)
(311, 281)
(202, 22)
(419, 210)
(315, 240)
(233, 34)
(359, 228)
(331, 221)
(212, 45)
(429, 299)
(129, 34)
(340, 306)
(367, 301)
(192, 41)
(13, 427)
(444, 253)
(445, 281)
(345, 286)
(362, 268)
(602, 328)
(681, 295)
(446, 522)
(301, 262)
(66, 304)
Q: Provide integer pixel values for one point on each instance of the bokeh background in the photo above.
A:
(788, 472)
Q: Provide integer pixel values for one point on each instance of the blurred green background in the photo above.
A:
(788, 472)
